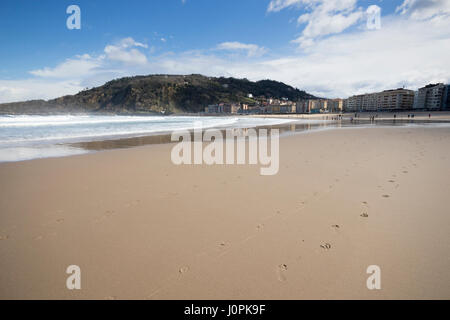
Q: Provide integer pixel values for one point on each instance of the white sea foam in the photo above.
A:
(34, 152)
(27, 137)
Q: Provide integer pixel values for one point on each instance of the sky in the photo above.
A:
(330, 48)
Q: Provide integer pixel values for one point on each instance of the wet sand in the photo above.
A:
(380, 116)
(142, 228)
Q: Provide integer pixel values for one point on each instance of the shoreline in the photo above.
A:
(294, 126)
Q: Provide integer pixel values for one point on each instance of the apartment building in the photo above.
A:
(309, 106)
(432, 97)
(335, 105)
(214, 108)
(223, 108)
(397, 99)
(230, 108)
(354, 103)
(388, 100)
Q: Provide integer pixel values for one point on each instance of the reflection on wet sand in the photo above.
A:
(289, 128)
(166, 138)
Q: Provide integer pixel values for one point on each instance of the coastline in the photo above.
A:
(141, 227)
(107, 140)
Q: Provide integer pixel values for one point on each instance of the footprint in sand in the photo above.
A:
(281, 272)
(183, 270)
(386, 196)
(222, 244)
(391, 181)
(326, 246)
(50, 223)
(136, 202)
(365, 209)
(336, 226)
(405, 171)
(106, 215)
(109, 213)
(260, 226)
(5, 237)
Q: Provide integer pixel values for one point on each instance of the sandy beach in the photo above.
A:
(141, 227)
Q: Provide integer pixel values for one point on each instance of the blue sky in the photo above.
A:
(300, 42)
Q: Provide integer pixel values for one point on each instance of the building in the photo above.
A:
(388, 100)
(370, 102)
(223, 108)
(336, 105)
(432, 97)
(288, 108)
(230, 108)
(396, 100)
(354, 103)
(447, 98)
(213, 108)
(309, 106)
(323, 105)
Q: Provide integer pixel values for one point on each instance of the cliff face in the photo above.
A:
(158, 93)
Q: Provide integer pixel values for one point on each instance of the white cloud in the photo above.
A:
(324, 17)
(278, 5)
(252, 50)
(31, 89)
(425, 9)
(75, 67)
(125, 51)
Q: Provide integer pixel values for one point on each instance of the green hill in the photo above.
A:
(158, 93)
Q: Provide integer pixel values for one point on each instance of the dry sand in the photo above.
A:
(141, 227)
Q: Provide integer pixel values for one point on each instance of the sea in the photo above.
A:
(25, 137)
